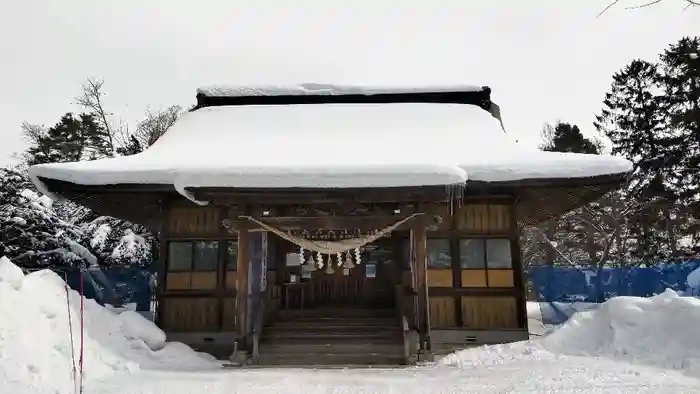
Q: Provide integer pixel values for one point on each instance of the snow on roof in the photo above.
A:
(332, 146)
(306, 89)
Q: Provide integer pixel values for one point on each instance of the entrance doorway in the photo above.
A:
(369, 284)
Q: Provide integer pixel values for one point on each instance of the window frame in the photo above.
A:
(227, 242)
(168, 268)
(194, 254)
(485, 241)
(192, 246)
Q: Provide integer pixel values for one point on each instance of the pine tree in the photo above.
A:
(633, 121)
(71, 139)
(652, 116)
(564, 137)
(95, 138)
(680, 65)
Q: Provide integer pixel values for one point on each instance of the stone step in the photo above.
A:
(336, 312)
(331, 339)
(389, 348)
(331, 359)
(340, 333)
(336, 321)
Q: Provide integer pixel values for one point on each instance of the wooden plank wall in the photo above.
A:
(196, 301)
(477, 298)
(190, 314)
(193, 221)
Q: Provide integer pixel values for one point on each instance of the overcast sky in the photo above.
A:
(544, 59)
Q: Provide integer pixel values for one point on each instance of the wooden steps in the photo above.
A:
(333, 337)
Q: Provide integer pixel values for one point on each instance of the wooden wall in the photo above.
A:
(479, 299)
(466, 298)
(195, 301)
(194, 221)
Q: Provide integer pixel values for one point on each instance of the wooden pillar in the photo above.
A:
(518, 271)
(161, 284)
(420, 265)
(242, 266)
(257, 271)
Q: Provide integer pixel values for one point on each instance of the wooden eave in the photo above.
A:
(537, 199)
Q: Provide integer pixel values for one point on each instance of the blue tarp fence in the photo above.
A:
(124, 285)
(115, 285)
(568, 284)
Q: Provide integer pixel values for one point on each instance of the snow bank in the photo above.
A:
(556, 312)
(661, 331)
(35, 340)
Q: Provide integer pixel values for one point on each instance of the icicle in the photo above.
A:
(358, 257)
(348, 261)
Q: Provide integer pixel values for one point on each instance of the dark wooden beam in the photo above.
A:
(420, 264)
(280, 196)
(362, 223)
(242, 267)
(474, 291)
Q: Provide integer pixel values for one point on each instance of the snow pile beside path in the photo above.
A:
(35, 340)
(660, 331)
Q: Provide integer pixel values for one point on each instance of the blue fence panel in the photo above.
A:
(115, 285)
(580, 284)
(124, 285)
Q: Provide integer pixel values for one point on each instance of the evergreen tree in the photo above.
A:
(95, 137)
(71, 139)
(633, 121)
(132, 147)
(564, 137)
(651, 115)
(680, 65)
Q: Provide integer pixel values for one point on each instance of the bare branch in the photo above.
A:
(91, 99)
(156, 124)
(643, 5)
(607, 8)
(551, 244)
(689, 3)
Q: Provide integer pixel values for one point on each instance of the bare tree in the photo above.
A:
(149, 130)
(32, 134)
(688, 4)
(92, 99)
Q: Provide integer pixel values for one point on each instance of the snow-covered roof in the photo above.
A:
(307, 89)
(332, 146)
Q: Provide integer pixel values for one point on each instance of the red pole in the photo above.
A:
(82, 326)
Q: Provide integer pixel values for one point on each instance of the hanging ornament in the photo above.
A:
(302, 260)
(348, 261)
(329, 266)
(310, 267)
(319, 260)
(311, 263)
(358, 257)
(339, 257)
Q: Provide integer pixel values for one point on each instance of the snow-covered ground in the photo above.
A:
(627, 345)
